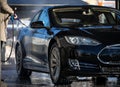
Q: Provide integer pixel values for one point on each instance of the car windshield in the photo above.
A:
(67, 17)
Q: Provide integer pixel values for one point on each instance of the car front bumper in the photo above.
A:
(94, 60)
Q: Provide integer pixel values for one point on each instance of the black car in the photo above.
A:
(68, 41)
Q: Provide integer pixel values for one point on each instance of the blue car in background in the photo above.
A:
(69, 41)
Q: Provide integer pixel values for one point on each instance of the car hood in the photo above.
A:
(103, 34)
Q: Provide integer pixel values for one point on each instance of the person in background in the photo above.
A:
(5, 12)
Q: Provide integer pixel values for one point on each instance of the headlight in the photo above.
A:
(76, 40)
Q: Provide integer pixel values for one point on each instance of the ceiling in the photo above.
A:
(46, 2)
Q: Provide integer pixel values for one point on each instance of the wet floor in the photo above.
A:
(10, 77)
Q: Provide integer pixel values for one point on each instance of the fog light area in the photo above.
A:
(74, 64)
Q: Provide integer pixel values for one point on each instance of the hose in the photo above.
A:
(11, 46)
(12, 20)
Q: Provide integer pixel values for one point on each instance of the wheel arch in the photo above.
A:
(16, 44)
(62, 79)
(19, 43)
(52, 41)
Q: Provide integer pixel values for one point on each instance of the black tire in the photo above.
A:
(21, 71)
(55, 66)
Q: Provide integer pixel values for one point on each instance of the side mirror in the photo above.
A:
(38, 24)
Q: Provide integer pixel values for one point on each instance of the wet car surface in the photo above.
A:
(69, 41)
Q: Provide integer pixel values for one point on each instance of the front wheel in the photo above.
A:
(21, 71)
(55, 65)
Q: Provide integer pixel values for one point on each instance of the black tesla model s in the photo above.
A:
(68, 41)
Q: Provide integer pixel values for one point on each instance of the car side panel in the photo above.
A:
(39, 48)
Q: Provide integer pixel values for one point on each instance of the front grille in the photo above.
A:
(77, 65)
(88, 65)
(110, 55)
(111, 69)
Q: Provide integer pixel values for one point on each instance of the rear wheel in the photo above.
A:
(56, 67)
(21, 71)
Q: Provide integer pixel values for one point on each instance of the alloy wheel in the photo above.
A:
(55, 64)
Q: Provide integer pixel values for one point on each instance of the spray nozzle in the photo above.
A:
(14, 17)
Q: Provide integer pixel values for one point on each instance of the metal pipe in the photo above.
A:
(117, 4)
(0, 53)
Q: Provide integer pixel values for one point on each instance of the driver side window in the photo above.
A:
(44, 17)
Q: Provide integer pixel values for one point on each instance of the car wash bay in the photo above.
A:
(9, 74)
